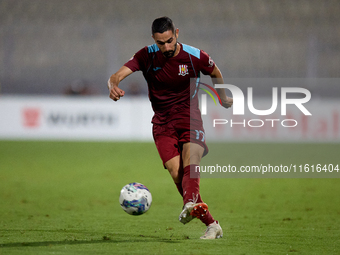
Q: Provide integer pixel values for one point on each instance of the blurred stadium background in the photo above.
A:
(50, 47)
(57, 194)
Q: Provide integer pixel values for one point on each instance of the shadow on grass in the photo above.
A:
(105, 239)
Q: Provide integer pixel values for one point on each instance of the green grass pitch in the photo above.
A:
(62, 198)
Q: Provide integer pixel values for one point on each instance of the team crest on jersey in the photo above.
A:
(183, 70)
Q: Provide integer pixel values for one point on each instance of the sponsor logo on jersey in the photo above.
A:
(183, 70)
(157, 68)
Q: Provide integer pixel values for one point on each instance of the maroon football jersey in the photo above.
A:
(168, 80)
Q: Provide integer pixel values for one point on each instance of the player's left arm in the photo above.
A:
(217, 78)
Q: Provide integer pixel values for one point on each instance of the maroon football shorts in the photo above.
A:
(170, 137)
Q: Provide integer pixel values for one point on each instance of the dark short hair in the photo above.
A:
(162, 24)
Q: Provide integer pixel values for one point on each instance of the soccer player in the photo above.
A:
(167, 67)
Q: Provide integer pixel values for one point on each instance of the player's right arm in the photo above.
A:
(115, 92)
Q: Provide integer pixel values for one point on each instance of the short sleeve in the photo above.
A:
(206, 63)
(137, 62)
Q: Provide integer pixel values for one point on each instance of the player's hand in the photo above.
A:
(227, 102)
(112, 84)
(115, 92)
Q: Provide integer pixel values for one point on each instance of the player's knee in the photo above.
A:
(195, 159)
(192, 154)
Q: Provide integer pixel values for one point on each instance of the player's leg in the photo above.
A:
(191, 154)
(190, 184)
(167, 145)
(193, 203)
(174, 166)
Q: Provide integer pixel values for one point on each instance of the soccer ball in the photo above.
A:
(135, 198)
